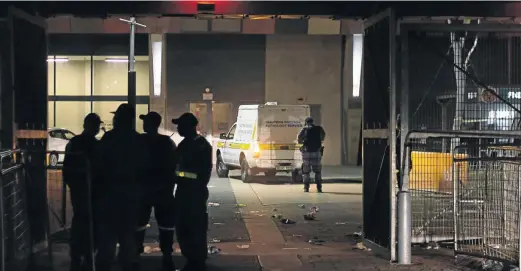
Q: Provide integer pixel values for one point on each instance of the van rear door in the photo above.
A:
(278, 130)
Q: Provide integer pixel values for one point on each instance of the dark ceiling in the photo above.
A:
(338, 9)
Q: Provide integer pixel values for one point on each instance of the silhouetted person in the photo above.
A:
(79, 174)
(193, 169)
(311, 138)
(123, 157)
(158, 188)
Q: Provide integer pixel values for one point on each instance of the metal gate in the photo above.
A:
(28, 38)
(462, 77)
(379, 141)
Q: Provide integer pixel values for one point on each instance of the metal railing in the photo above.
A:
(487, 206)
(447, 192)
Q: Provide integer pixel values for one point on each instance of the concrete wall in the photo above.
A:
(231, 65)
(308, 68)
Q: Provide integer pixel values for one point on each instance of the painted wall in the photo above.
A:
(308, 67)
(231, 65)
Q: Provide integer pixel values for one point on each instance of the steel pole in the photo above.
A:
(131, 71)
(404, 227)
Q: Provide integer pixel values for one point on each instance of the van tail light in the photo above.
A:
(256, 150)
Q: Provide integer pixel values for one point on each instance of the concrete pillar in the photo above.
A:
(157, 68)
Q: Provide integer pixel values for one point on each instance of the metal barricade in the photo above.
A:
(17, 244)
(487, 206)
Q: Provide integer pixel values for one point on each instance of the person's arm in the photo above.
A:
(207, 165)
(322, 134)
(66, 173)
(301, 136)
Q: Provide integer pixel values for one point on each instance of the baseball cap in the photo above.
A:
(92, 118)
(124, 110)
(309, 120)
(151, 116)
(186, 119)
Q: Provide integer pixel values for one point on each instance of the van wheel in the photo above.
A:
(53, 159)
(220, 167)
(245, 171)
(270, 173)
(296, 176)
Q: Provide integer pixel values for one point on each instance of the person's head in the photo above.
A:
(91, 124)
(123, 116)
(309, 121)
(186, 124)
(151, 122)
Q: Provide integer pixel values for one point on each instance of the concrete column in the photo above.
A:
(157, 68)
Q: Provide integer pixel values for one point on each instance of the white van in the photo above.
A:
(264, 139)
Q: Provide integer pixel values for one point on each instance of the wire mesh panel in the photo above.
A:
(16, 239)
(488, 207)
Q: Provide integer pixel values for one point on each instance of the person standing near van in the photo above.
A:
(311, 138)
(158, 188)
(193, 169)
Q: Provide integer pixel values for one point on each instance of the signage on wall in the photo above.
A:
(207, 95)
(509, 93)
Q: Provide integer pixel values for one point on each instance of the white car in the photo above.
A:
(57, 139)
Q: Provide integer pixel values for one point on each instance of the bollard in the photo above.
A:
(404, 227)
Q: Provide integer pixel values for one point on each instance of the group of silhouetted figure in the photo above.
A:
(115, 182)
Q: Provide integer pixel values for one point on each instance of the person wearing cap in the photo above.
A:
(311, 138)
(158, 188)
(123, 157)
(193, 161)
(79, 174)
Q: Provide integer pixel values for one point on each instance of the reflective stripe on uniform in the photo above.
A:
(184, 174)
(165, 228)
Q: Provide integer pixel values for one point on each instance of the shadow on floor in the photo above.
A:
(277, 180)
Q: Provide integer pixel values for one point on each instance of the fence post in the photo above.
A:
(404, 214)
(455, 195)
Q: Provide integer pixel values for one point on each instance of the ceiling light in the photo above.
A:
(116, 60)
(61, 59)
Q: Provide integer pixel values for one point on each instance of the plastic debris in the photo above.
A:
(361, 246)
(213, 204)
(215, 240)
(310, 216)
(254, 212)
(302, 206)
(314, 209)
(277, 216)
(211, 186)
(241, 205)
(213, 250)
(340, 223)
(287, 221)
(433, 245)
(316, 241)
(492, 265)
(297, 235)
(243, 246)
(275, 210)
(148, 226)
(218, 223)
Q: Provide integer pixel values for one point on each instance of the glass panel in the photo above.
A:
(111, 75)
(50, 114)
(141, 109)
(200, 111)
(70, 115)
(72, 75)
(103, 109)
(221, 118)
(50, 75)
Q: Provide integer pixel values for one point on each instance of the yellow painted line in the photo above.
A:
(254, 131)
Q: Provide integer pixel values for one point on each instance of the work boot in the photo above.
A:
(319, 190)
(168, 263)
(306, 190)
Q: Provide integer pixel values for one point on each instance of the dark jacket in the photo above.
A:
(160, 166)
(311, 136)
(81, 157)
(194, 156)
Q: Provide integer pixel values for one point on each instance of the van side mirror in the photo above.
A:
(223, 136)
